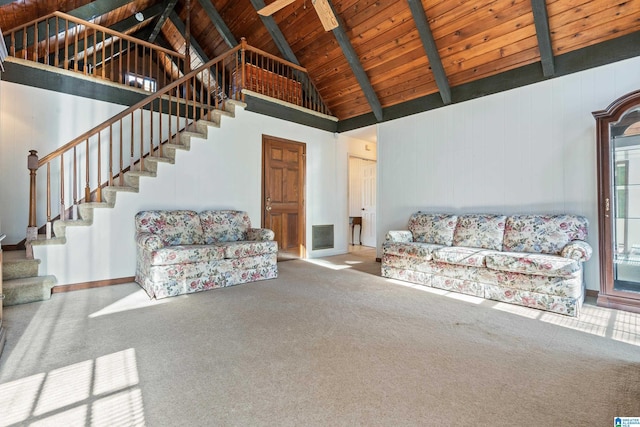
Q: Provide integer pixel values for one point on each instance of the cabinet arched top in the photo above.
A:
(618, 107)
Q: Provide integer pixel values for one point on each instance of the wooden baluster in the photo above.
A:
(104, 57)
(35, 42)
(160, 128)
(75, 185)
(131, 148)
(24, 43)
(63, 215)
(47, 43)
(66, 44)
(87, 188)
(32, 165)
(99, 181)
(151, 144)
(110, 154)
(243, 46)
(170, 139)
(56, 59)
(75, 48)
(85, 62)
(12, 45)
(48, 226)
(141, 139)
(121, 173)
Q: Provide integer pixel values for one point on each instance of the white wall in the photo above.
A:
(527, 150)
(42, 120)
(223, 171)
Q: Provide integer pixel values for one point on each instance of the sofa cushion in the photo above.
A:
(248, 248)
(433, 228)
(480, 231)
(171, 255)
(411, 249)
(460, 255)
(547, 234)
(178, 227)
(224, 226)
(527, 263)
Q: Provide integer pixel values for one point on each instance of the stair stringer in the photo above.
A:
(100, 245)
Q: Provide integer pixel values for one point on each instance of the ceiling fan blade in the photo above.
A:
(326, 15)
(272, 8)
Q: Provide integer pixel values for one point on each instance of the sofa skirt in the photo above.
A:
(563, 295)
(163, 281)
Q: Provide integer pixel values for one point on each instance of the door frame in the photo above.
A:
(302, 211)
(608, 295)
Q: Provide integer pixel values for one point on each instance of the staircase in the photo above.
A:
(23, 284)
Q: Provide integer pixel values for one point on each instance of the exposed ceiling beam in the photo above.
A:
(276, 34)
(541, 21)
(175, 19)
(429, 44)
(165, 14)
(219, 23)
(356, 66)
(97, 8)
(130, 22)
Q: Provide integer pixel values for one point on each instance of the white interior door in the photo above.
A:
(368, 183)
(362, 199)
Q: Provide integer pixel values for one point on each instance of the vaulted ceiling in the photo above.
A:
(387, 58)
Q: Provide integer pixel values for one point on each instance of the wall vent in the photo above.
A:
(322, 236)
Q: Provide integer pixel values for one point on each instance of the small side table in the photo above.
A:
(353, 221)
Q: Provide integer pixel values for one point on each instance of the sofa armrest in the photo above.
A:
(399, 236)
(149, 241)
(578, 250)
(260, 234)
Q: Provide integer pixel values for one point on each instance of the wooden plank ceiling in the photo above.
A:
(473, 39)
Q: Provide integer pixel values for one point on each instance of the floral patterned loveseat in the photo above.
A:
(530, 260)
(182, 251)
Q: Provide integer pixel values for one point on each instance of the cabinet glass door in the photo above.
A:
(626, 203)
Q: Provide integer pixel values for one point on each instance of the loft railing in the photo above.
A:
(70, 43)
(78, 171)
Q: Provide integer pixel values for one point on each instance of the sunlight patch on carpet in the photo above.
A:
(138, 299)
(104, 391)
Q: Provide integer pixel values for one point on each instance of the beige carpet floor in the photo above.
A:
(328, 343)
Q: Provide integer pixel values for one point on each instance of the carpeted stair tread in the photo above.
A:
(29, 289)
(15, 265)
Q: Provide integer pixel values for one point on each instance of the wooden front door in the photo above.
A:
(283, 173)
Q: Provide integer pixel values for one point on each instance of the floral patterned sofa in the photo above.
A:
(530, 260)
(182, 251)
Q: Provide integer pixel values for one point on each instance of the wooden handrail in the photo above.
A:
(133, 108)
(96, 27)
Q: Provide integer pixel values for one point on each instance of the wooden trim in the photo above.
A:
(591, 293)
(90, 285)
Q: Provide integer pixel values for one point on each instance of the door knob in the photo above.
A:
(268, 208)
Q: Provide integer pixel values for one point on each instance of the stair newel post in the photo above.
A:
(32, 165)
